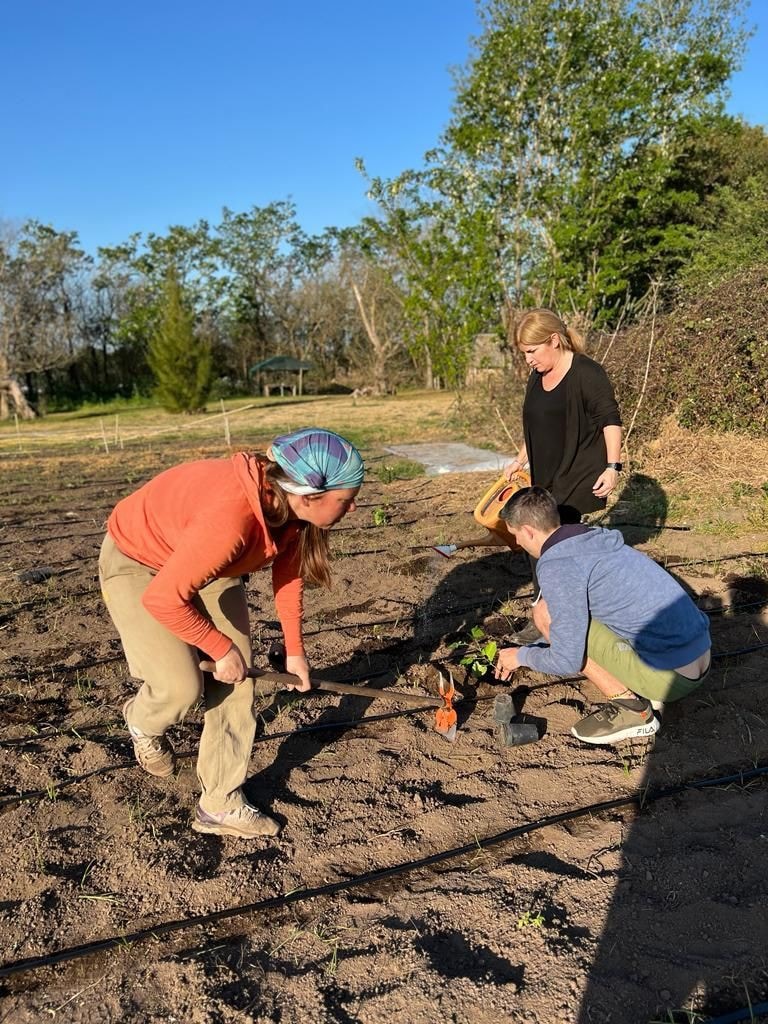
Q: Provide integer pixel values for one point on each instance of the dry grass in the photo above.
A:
(411, 415)
(705, 462)
(718, 481)
(711, 477)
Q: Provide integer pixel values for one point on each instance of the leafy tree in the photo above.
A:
(42, 274)
(732, 232)
(180, 357)
(261, 253)
(436, 244)
(567, 117)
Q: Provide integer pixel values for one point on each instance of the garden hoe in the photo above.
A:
(445, 717)
(270, 681)
(488, 514)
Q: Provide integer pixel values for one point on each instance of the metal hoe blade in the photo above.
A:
(446, 720)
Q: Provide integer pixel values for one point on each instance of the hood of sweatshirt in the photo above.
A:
(249, 472)
(588, 544)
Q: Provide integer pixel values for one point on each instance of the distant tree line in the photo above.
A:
(587, 157)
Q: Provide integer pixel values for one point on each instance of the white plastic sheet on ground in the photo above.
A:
(451, 458)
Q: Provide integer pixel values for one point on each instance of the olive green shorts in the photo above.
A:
(617, 656)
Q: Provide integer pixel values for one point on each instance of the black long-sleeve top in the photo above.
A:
(590, 405)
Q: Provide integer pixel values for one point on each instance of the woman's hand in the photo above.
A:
(605, 483)
(299, 666)
(231, 668)
(514, 466)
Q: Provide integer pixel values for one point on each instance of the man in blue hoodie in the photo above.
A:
(610, 613)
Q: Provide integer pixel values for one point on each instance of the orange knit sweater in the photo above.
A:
(201, 521)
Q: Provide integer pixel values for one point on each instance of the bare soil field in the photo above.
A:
(616, 888)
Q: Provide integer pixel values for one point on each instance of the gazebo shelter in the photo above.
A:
(284, 365)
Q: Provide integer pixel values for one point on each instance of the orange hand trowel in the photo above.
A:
(445, 717)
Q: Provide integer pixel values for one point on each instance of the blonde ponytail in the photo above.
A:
(537, 326)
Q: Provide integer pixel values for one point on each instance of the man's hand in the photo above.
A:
(506, 662)
(299, 666)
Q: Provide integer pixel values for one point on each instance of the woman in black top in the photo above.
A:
(571, 423)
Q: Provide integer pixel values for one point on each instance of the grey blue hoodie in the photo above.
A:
(589, 573)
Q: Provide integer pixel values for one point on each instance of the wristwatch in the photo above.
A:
(618, 466)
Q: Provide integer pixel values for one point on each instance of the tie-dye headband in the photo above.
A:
(317, 461)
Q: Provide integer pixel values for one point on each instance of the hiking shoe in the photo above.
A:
(658, 706)
(618, 720)
(529, 634)
(245, 822)
(154, 753)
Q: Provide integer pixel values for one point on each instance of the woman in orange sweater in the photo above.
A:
(171, 571)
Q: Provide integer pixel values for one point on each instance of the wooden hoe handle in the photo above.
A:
(270, 682)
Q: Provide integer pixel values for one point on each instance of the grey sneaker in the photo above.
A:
(618, 720)
(529, 634)
(154, 753)
(245, 822)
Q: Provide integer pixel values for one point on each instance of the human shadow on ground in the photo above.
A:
(673, 925)
(464, 598)
(676, 930)
(684, 927)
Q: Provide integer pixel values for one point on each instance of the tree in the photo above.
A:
(124, 310)
(567, 117)
(261, 253)
(435, 243)
(732, 233)
(179, 357)
(41, 272)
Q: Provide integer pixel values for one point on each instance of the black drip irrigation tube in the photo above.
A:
(369, 878)
(11, 799)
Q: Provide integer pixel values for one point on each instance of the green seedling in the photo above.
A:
(478, 652)
(140, 816)
(529, 919)
(101, 897)
(39, 857)
(84, 688)
(86, 873)
(380, 516)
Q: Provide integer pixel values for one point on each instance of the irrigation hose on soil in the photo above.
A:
(11, 799)
(298, 896)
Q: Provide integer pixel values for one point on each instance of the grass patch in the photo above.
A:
(252, 422)
(401, 469)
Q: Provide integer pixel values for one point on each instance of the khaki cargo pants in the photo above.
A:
(171, 682)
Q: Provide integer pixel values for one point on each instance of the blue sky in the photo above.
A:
(129, 117)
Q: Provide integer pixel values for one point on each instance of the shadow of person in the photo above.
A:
(685, 928)
(298, 748)
(683, 925)
(466, 595)
(640, 511)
